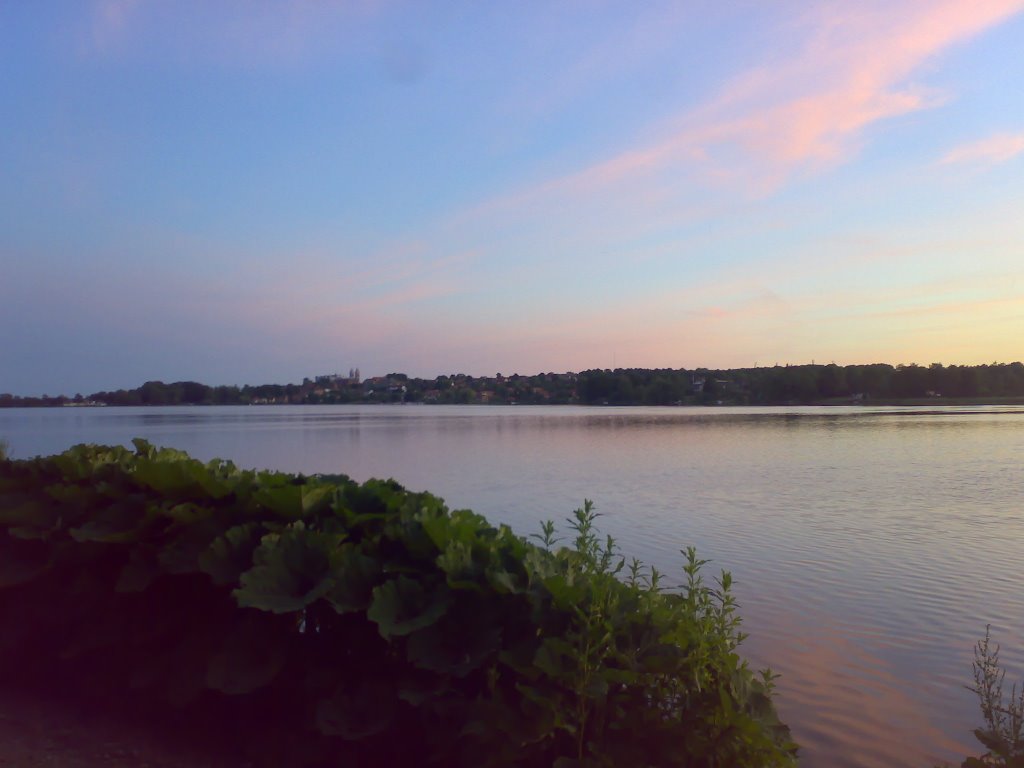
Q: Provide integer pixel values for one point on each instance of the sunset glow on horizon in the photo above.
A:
(246, 193)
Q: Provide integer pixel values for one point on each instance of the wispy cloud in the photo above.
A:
(810, 111)
(834, 74)
(844, 70)
(989, 151)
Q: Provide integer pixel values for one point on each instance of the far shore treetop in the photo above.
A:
(777, 385)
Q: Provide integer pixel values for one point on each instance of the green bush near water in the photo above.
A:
(1002, 734)
(324, 622)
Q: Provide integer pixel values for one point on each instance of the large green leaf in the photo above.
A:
(119, 522)
(296, 500)
(458, 563)
(316, 498)
(443, 528)
(166, 477)
(284, 501)
(293, 569)
(355, 576)
(403, 605)
(504, 581)
(230, 555)
(182, 553)
(455, 645)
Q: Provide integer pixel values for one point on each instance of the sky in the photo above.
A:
(252, 192)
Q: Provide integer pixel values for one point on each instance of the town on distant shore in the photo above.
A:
(776, 385)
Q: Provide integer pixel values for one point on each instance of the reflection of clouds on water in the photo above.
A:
(836, 692)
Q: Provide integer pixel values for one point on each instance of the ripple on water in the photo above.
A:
(870, 547)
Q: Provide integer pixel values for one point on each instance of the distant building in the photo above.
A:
(334, 381)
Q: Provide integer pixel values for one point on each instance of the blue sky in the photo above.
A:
(243, 192)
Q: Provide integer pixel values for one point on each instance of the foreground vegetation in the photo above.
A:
(1002, 734)
(879, 383)
(322, 622)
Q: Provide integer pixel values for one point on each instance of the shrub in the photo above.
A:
(324, 622)
(1003, 732)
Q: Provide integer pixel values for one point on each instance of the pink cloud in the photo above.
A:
(846, 68)
(993, 150)
(810, 111)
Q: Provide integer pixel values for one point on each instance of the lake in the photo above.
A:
(870, 546)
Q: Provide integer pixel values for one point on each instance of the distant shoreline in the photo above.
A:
(937, 402)
(878, 384)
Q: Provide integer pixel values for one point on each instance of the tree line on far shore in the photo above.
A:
(790, 384)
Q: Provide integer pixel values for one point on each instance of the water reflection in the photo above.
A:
(870, 546)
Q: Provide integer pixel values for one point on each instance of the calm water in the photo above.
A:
(870, 546)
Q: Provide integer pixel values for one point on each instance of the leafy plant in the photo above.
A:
(1003, 733)
(371, 625)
